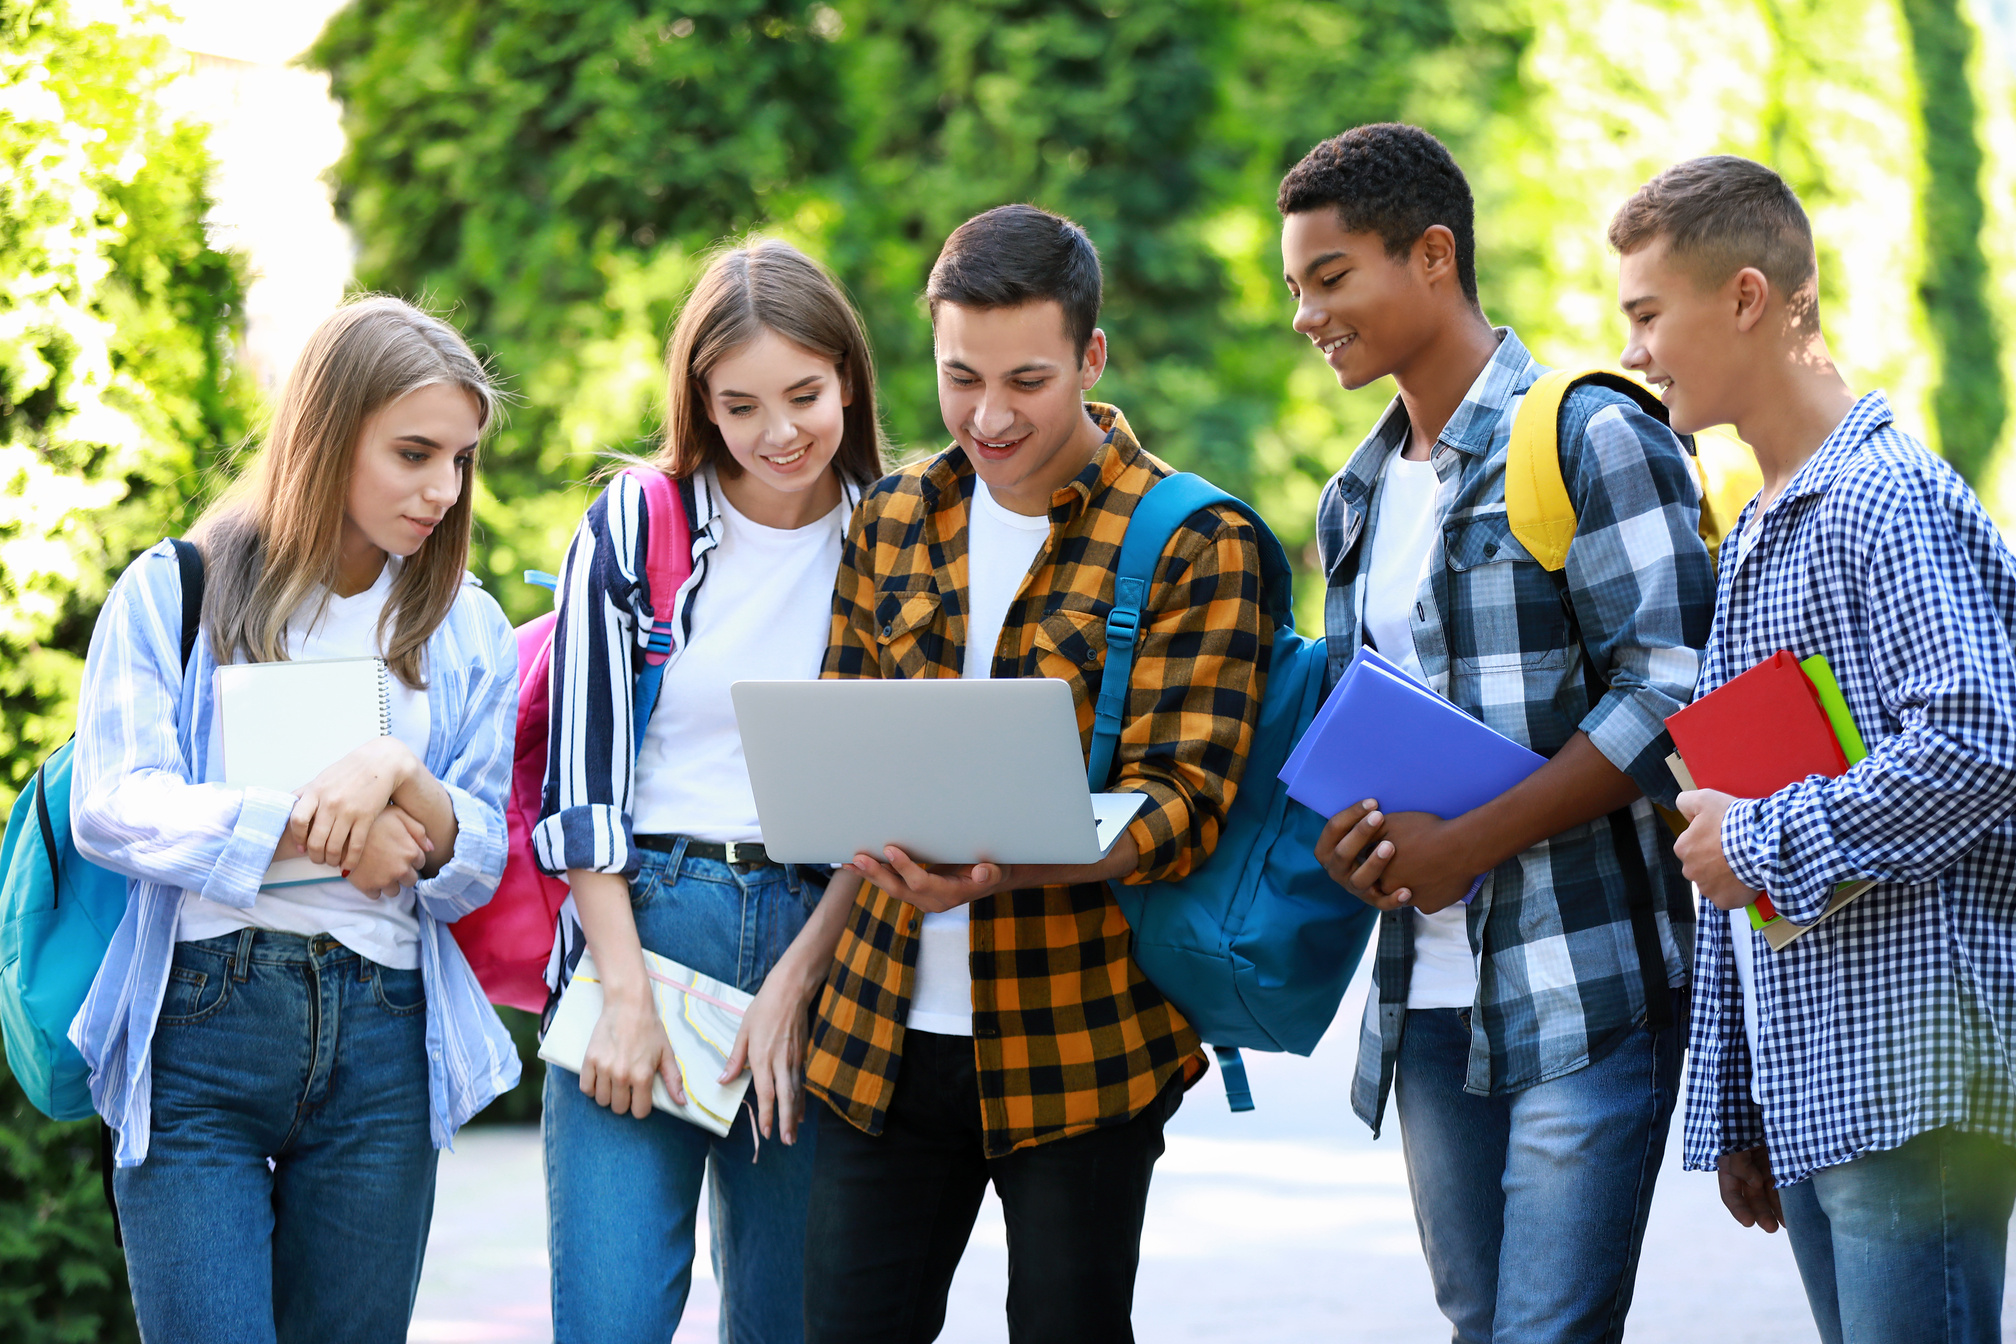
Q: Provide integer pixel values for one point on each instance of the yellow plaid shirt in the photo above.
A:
(1067, 1032)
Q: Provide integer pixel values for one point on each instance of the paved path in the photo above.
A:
(1286, 1224)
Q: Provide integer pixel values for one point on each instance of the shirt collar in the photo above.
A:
(952, 470)
(1869, 414)
(1504, 378)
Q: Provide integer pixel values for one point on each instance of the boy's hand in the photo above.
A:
(1430, 862)
(936, 888)
(394, 852)
(1747, 1189)
(1352, 852)
(1700, 850)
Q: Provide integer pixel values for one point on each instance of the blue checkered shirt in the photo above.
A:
(1896, 1015)
(1558, 980)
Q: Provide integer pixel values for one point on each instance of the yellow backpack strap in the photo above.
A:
(1536, 498)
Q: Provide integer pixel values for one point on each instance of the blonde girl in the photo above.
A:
(771, 437)
(281, 1063)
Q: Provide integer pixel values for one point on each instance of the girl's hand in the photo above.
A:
(394, 852)
(771, 1046)
(628, 1048)
(333, 819)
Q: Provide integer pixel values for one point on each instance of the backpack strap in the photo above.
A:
(1169, 503)
(1537, 506)
(189, 561)
(668, 560)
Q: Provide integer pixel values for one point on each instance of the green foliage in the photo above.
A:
(117, 396)
(1970, 404)
(62, 1281)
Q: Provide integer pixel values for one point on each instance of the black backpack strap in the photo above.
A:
(190, 561)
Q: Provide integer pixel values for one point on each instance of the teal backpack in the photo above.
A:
(57, 915)
(1257, 944)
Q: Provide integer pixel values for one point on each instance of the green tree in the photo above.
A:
(1970, 403)
(118, 403)
(118, 397)
(544, 171)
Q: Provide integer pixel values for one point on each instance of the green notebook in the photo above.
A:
(1852, 750)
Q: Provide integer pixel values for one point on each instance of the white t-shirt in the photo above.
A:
(1000, 547)
(1444, 973)
(763, 613)
(386, 931)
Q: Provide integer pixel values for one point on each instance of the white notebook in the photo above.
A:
(285, 723)
(701, 1016)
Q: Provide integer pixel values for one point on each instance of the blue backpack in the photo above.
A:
(1257, 944)
(57, 915)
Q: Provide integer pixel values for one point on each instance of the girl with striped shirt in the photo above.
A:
(771, 436)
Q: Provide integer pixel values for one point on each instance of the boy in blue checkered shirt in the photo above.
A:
(1863, 1069)
(1529, 1038)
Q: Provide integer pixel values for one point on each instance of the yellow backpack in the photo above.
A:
(1536, 499)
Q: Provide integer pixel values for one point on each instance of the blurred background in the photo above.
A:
(186, 189)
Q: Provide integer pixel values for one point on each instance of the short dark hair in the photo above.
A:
(1391, 179)
(1719, 214)
(1017, 254)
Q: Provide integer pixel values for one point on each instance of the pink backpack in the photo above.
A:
(509, 941)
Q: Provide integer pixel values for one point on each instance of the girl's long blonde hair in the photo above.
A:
(765, 285)
(274, 540)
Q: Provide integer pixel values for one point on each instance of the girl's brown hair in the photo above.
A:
(765, 285)
(274, 540)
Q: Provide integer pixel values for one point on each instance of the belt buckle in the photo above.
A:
(734, 852)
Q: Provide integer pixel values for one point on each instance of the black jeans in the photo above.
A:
(891, 1214)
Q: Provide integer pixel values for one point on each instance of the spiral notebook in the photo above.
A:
(282, 724)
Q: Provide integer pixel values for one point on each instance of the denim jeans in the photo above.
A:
(289, 1179)
(891, 1213)
(1532, 1205)
(623, 1195)
(1907, 1245)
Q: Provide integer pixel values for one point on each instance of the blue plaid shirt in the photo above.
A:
(1896, 1015)
(1558, 972)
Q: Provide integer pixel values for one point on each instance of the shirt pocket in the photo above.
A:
(906, 629)
(1071, 646)
(1506, 611)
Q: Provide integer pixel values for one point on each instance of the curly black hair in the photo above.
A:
(1390, 179)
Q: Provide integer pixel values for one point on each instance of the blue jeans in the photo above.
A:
(623, 1195)
(1532, 1205)
(1907, 1245)
(289, 1179)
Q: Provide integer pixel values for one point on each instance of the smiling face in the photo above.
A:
(1686, 338)
(1011, 390)
(778, 407)
(1367, 313)
(412, 464)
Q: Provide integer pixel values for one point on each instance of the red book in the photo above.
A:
(1758, 733)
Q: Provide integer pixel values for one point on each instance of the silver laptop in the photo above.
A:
(952, 771)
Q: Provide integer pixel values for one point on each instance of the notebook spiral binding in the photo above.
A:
(384, 698)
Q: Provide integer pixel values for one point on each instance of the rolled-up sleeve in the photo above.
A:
(1641, 584)
(133, 807)
(478, 778)
(1199, 670)
(591, 755)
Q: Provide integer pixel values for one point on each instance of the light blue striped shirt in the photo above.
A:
(141, 806)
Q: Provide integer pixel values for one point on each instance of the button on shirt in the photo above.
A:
(1894, 1016)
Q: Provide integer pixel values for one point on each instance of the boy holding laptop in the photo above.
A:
(988, 1023)
(1855, 1084)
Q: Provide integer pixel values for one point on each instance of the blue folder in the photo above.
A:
(1383, 735)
